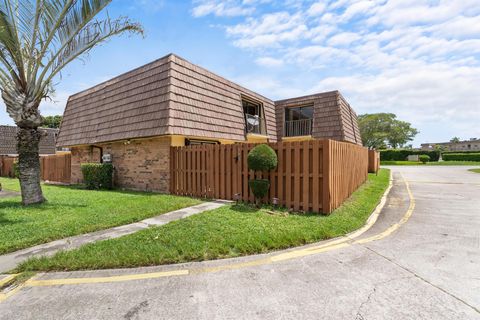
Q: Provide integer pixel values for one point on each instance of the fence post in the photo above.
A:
(326, 176)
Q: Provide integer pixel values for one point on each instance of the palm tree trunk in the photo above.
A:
(28, 140)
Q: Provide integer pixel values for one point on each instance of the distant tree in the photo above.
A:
(381, 129)
(455, 139)
(52, 121)
(400, 133)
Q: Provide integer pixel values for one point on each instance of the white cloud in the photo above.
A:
(342, 39)
(269, 31)
(269, 62)
(417, 58)
(317, 9)
(221, 9)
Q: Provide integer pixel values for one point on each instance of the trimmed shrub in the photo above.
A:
(98, 175)
(461, 156)
(259, 187)
(424, 158)
(262, 158)
(402, 154)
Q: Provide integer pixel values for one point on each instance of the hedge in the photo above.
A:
(461, 157)
(98, 175)
(471, 151)
(402, 154)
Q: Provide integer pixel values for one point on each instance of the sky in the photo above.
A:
(419, 59)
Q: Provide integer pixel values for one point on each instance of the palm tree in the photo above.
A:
(38, 38)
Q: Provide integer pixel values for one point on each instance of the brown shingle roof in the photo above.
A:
(333, 116)
(8, 140)
(174, 96)
(167, 96)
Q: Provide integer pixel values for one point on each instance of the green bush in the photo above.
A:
(262, 158)
(466, 151)
(402, 154)
(461, 156)
(259, 187)
(98, 175)
(424, 158)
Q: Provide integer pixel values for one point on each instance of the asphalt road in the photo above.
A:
(427, 266)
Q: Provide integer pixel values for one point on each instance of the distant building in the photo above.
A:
(467, 145)
(8, 141)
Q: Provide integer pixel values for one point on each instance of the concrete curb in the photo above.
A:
(320, 246)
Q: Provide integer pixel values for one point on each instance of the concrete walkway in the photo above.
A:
(11, 260)
(8, 194)
(426, 269)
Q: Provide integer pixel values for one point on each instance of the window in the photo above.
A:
(251, 108)
(298, 113)
(254, 117)
(298, 121)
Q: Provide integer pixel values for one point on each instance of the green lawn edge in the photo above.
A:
(441, 163)
(475, 170)
(230, 231)
(72, 210)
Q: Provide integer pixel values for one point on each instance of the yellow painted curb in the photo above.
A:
(397, 225)
(128, 277)
(7, 279)
(339, 243)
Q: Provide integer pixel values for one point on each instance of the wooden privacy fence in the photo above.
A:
(373, 161)
(6, 166)
(55, 168)
(315, 175)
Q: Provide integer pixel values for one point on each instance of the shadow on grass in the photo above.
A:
(243, 207)
(17, 204)
(6, 221)
(80, 187)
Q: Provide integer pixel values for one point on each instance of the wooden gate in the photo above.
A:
(314, 175)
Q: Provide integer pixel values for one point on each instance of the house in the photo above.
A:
(8, 141)
(136, 117)
(468, 145)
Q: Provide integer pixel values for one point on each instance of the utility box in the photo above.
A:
(413, 157)
(107, 158)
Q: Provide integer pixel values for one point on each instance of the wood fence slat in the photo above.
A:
(280, 174)
(316, 175)
(306, 176)
(245, 172)
(228, 172)
(296, 177)
(288, 175)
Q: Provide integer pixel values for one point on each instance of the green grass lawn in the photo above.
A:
(72, 211)
(442, 163)
(475, 170)
(230, 231)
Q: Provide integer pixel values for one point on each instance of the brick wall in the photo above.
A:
(139, 165)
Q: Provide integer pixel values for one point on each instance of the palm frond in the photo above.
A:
(38, 38)
(90, 36)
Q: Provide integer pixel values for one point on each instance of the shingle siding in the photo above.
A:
(333, 116)
(207, 105)
(174, 96)
(8, 140)
(131, 105)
